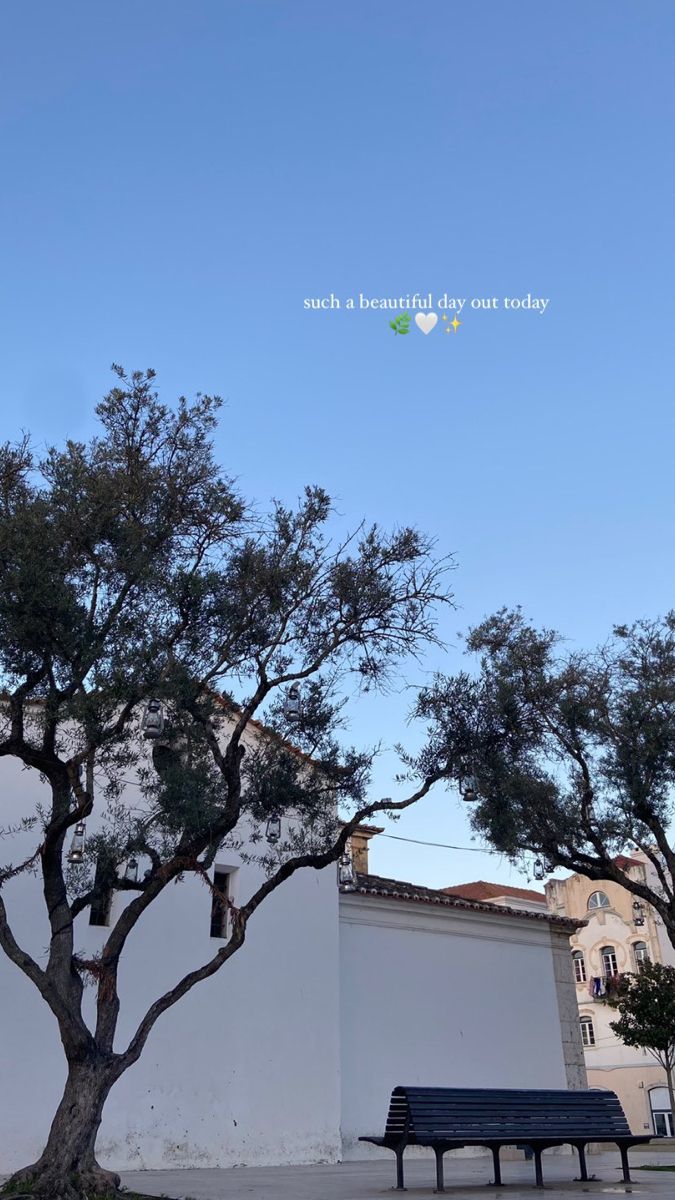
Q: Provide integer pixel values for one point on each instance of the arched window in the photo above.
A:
(641, 952)
(598, 900)
(587, 1031)
(579, 966)
(609, 966)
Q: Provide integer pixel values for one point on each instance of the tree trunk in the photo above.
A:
(671, 1091)
(67, 1168)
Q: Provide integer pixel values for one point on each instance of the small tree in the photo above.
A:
(131, 569)
(572, 753)
(646, 1004)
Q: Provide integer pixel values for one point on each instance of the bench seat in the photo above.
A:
(450, 1118)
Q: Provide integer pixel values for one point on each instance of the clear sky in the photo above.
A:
(178, 177)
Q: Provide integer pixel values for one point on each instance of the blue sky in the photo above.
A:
(178, 177)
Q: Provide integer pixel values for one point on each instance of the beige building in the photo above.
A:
(620, 933)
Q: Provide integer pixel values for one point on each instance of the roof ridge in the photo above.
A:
(398, 889)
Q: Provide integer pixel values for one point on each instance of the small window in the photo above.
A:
(99, 910)
(661, 1114)
(579, 966)
(641, 952)
(219, 897)
(609, 965)
(587, 1031)
(598, 900)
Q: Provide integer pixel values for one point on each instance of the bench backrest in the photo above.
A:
(509, 1114)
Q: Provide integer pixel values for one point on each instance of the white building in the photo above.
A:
(290, 1052)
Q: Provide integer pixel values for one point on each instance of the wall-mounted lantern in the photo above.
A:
(638, 912)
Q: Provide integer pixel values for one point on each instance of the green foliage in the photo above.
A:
(132, 568)
(401, 323)
(646, 1005)
(573, 752)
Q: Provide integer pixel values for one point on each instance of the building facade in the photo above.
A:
(619, 934)
(290, 1052)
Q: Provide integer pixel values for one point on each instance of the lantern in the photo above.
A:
(468, 788)
(292, 704)
(346, 873)
(273, 829)
(153, 720)
(76, 852)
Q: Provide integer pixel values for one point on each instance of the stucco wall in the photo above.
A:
(441, 997)
(243, 1070)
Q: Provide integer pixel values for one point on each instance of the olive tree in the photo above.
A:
(135, 580)
(570, 755)
(646, 1005)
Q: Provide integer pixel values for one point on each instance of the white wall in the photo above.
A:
(245, 1069)
(442, 997)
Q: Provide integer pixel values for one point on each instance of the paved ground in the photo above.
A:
(465, 1179)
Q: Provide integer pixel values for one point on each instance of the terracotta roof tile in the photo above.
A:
(480, 890)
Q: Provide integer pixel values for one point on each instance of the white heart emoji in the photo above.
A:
(426, 321)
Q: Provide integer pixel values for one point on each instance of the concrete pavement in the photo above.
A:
(465, 1177)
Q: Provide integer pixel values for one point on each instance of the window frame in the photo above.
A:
(586, 1023)
(641, 947)
(101, 903)
(579, 961)
(609, 952)
(603, 903)
(220, 886)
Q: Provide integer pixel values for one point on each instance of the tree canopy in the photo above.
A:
(572, 753)
(133, 570)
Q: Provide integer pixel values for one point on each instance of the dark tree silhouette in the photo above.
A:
(132, 570)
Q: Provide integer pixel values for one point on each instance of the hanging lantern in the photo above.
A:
(131, 872)
(76, 852)
(273, 829)
(638, 913)
(153, 720)
(346, 873)
(292, 703)
(468, 788)
(539, 870)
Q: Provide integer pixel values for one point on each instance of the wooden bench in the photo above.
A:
(449, 1118)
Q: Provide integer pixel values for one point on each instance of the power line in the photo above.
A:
(441, 845)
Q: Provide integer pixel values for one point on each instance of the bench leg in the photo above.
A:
(583, 1173)
(624, 1164)
(399, 1170)
(497, 1167)
(538, 1174)
(439, 1169)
